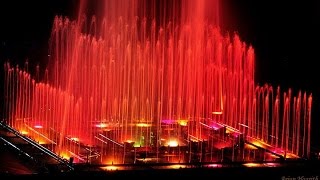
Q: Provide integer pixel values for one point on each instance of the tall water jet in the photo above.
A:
(158, 79)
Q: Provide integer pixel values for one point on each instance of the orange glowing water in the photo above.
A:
(143, 74)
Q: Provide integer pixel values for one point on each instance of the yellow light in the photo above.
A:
(101, 125)
(24, 132)
(257, 143)
(290, 155)
(217, 112)
(274, 156)
(75, 139)
(231, 130)
(183, 122)
(249, 146)
(177, 166)
(260, 144)
(173, 143)
(252, 165)
(143, 125)
(65, 155)
(40, 140)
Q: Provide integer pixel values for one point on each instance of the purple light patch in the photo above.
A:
(215, 126)
(167, 121)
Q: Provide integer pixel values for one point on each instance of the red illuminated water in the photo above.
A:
(140, 77)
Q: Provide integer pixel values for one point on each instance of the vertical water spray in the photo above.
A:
(153, 78)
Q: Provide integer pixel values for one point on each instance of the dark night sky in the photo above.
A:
(285, 35)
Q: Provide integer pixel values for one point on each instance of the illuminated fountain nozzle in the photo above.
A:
(129, 141)
(217, 112)
(75, 139)
(101, 125)
(143, 125)
(24, 132)
(38, 126)
(173, 143)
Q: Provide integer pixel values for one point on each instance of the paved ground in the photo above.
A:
(18, 157)
(11, 164)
